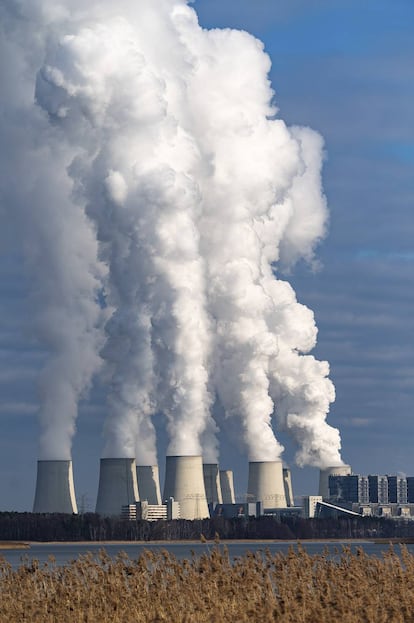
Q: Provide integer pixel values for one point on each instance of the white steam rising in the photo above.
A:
(174, 174)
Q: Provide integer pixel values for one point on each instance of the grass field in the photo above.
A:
(294, 587)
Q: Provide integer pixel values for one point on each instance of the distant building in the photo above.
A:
(397, 489)
(309, 505)
(151, 512)
(378, 489)
(350, 488)
(410, 489)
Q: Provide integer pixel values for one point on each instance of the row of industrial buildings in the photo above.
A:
(197, 490)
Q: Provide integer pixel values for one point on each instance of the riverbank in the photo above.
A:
(14, 545)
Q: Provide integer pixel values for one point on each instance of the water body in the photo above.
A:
(64, 553)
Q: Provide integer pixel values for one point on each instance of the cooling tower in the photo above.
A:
(287, 482)
(266, 484)
(117, 486)
(55, 492)
(336, 470)
(212, 483)
(184, 482)
(149, 483)
(227, 487)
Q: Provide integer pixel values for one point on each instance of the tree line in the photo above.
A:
(94, 528)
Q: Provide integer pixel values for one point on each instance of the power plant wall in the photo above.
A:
(55, 491)
(265, 484)
(227, 486)
(212, 483)
(148, 480)
(287, 482)
(117, 486)
(184, 482)
(335, 470)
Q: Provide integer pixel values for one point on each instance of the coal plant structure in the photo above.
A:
(55, 491)
(227, 486)
(212, 484)
(287, 481)
(265, 484)
(334, 470)
(117, 486)
(148, 479)
(184, 482)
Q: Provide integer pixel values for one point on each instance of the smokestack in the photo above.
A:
(212, 483)
(55, 492)
(266, 484)
(227, 487)
(184, 482)
(117, 486)
(287, 481)
(148, 480)
(336, 470)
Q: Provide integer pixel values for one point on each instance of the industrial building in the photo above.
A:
(373, 495)
(193, 490)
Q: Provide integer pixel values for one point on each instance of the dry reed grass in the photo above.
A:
(288, 588)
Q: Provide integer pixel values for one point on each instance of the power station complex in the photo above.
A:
(195, 486)
(196, 490)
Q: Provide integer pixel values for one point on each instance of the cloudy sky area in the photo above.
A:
(344, 68)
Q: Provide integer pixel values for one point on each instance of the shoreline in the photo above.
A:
(27, 545)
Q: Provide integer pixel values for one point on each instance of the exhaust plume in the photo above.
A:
(171, 151)
(52, 233)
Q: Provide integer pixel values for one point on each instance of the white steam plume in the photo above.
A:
(52, 233)
(135, 170)
(198, 193)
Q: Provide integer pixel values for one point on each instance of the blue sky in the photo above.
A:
(345, 68)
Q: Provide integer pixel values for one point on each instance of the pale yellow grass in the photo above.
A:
(293, 587)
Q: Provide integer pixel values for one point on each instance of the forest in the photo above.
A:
(92, 527)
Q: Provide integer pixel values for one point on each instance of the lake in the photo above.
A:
(65, 552)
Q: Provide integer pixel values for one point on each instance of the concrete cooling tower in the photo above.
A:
(55, 492)
(184, 482)
(336, 470)
(287, 481)
(148, 479)
(117, 486)
(266, 484)
(227, 486)
(212, 483)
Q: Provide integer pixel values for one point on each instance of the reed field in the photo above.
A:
(292, 587)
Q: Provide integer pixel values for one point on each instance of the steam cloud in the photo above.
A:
(161, 176)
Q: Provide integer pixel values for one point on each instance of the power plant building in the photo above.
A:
(378, 489)
(117, 486)
(351, 488)
(266, 484)
(148, 481)
(287, 482)
(212, 483)
(397, 489)
(324, 474)
(227, 486)
(184, 482)
(55, 491)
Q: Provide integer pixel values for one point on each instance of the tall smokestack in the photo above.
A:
(184, 482)
(227, 486)
(266, 484)
(117, 486)
(212, 483)
(55, 492)
(335, 470)
(287, 481)
(148, 480)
